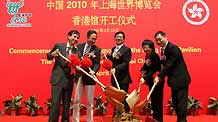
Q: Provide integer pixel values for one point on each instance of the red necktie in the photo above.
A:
(162, 51)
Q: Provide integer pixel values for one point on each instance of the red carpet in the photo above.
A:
(42, 118)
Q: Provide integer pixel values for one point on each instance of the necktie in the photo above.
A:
(162, 51)
(162, 57)
(115, 51)
(86, 50)
(68, 51)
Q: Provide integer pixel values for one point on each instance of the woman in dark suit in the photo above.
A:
(151, 66)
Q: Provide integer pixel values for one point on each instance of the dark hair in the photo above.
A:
(161, 33)
(120, 32)
(149, 43)
(70, 33)
(90, 32)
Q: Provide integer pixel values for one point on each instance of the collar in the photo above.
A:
(118, 46)
(165, 46)
(68, 44)
(86, 45)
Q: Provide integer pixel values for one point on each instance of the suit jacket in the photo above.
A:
(175, 67)
(151, 66)
(95, 61)
(61, 70)
(121, 65)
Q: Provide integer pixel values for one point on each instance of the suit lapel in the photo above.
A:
(63, 49)
(112, 51)
(81, 48)
(78, 51)
(167, 47)
(121, 50)
(92, 48)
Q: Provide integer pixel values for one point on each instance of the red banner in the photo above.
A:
(29, 29)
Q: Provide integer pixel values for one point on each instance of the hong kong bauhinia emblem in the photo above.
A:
(196, 12)
(18, 19)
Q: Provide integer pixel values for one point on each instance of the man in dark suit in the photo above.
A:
(175, 69)
(120, 57)
(61, 78)
(87, 49)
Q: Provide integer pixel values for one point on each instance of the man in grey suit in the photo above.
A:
(87, 49)
(61, 78)
(175, 69)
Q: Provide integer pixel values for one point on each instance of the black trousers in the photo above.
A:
(157, 101)
(124, 87)
(59, 93)
(180, 102)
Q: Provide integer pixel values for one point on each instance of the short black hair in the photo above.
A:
(120, 32)
(161, 33)
(149, 43)
(90, 32)
(70, 33)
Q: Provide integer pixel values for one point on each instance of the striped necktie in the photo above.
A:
(115, 51)
(86, 50)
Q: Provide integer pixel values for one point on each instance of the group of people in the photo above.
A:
(170, 63)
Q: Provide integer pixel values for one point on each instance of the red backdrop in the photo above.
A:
(27, 72)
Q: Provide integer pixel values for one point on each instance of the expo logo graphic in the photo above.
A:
(17, 19)
(195, 12)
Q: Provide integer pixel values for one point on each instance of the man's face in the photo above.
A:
(73, 39)
(160, 40)
(92, 39)
(119, 39)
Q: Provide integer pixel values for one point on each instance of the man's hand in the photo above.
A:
(113, 70)
(92, 72)
(156, 80)
(103, 53)
(117, 55)
(55, 53)
(91, 54)
(143, 73)
(142, 81)
(147, 97)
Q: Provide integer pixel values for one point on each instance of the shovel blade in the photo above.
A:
(115, 103)
(132, 99)
(115, 93)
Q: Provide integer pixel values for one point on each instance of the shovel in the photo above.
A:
(114, 76)
(133, 98)
(139, 106)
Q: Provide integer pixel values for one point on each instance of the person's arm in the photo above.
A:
(96, 65)
(50, 54)
(143, 68)
(154, 67)
(109, 56)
